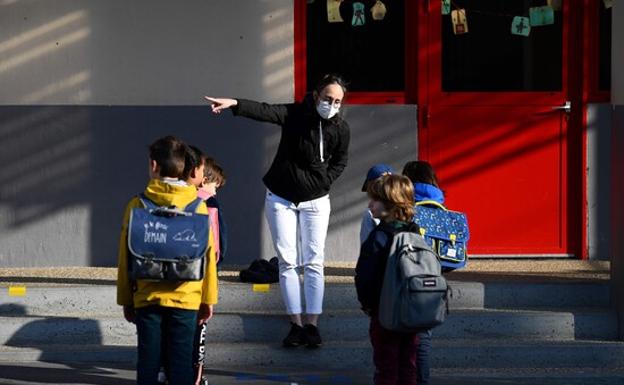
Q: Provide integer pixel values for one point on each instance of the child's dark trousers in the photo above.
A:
(177, 328)
(395, 355)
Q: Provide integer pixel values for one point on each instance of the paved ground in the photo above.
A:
(50, 373)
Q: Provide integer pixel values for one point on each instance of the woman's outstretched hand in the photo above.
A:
(220, 104)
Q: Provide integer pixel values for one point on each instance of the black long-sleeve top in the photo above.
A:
(302, 170)
(371, 265)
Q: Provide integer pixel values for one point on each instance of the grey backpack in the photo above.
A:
(414, 294)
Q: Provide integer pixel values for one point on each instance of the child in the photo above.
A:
(425, 182)
(214, 179)
(394, 353)
(368, 222)
(164, 308)
(194, 167)
(426, 188)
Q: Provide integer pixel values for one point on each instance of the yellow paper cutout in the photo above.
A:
(333, 11)
(378, 10)
(460, 23)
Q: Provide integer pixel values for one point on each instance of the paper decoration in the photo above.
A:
(378, 10)
(541, 16)
(358, 19)
(460, 23)
(554, 4)
(520, 26)
(608, 3)
(446, 7)
(333, 11)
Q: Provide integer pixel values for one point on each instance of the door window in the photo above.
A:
(489, 58)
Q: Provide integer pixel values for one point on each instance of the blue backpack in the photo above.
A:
(166, 243)
(445, 231)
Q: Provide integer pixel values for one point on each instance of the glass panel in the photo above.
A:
(604, 48)
(371, 57)
(489, 58)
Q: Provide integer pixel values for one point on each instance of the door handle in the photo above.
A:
(567, 107)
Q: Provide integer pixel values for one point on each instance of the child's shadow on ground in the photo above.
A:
(58, 345)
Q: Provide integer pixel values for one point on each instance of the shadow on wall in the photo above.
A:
(68, 169)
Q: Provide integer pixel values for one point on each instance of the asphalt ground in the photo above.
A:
(36, 373)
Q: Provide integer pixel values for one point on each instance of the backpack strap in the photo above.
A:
(192, 207)
(431, 203)
(146, 202)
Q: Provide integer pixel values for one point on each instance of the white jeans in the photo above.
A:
(309, 221)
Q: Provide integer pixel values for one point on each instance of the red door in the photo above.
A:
(493, 126)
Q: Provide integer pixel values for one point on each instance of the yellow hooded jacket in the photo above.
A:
(182, 295)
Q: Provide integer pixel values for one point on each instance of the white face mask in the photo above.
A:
(326, 110)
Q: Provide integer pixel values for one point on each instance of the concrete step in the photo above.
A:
(68, 300)
(334, 326)
(451, 354)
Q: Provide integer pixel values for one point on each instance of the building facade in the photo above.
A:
(85, 86)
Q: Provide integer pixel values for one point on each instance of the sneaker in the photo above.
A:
(294, 337)
(312, 336)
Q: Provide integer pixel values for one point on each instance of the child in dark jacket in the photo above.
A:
(426, 188)
(394, 354)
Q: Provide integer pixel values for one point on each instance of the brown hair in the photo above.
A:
(396, 192)
(169, 153)
(194, 159)
(419, 171)
(213, 172)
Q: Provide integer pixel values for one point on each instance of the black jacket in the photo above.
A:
(371, 265)
(297, 172)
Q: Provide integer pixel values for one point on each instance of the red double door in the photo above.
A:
(495, 125)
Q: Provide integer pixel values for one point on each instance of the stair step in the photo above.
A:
(74, 300)
(345, 325)
(450, 354)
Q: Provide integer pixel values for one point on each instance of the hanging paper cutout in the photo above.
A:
(541, 16)
(460, 23)
(333, 11)
(446, 7)
(520, 26)
(554, 4)
(608, 3)
(378, 10)
(358, 15)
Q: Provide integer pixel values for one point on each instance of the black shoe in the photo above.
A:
(312, 336)
(294, 337)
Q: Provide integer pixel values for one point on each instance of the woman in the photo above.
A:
(311, 155)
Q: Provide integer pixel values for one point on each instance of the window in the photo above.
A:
(490, 59)
(369, 53)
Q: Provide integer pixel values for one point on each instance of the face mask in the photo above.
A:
(326, 110)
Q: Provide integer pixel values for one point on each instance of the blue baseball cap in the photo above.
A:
(375, 172)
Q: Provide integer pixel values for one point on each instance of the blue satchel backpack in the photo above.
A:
(445, 231)
(166, 243)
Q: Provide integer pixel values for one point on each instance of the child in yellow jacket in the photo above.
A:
(164, 309)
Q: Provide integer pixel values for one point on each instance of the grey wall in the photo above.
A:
(144, 52)
(617, 164)
(599, 119)
(76, 117)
